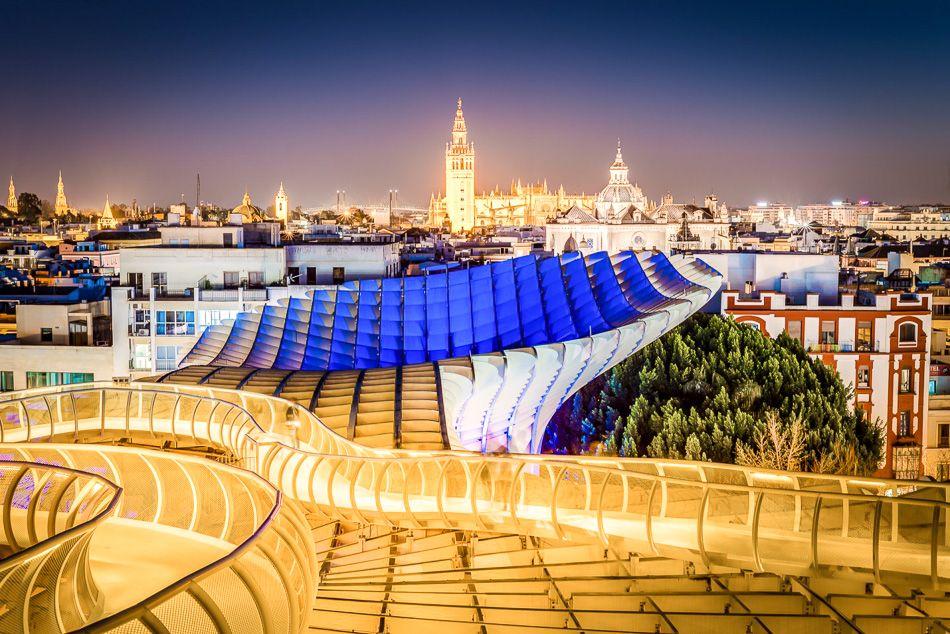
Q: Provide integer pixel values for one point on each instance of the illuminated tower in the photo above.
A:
(107, 219)
(281, 204)
(11, 197)
(61, 205)
(460, 176)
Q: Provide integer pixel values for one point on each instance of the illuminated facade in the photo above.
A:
(319, 510)
(107, 219)
(61, 206)
(463, 209)
(12, 203)
(281, 204)
(623, 219)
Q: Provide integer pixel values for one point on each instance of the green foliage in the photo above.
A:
(29, 208)
(705, 389)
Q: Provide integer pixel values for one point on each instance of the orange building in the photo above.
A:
(878, 343)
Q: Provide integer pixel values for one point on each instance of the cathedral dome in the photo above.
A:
(619, 194)
(247, 210)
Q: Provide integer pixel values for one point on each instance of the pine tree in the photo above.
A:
(709, 387)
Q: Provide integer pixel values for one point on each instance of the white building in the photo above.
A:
(795, 274)
(878, 343)
(59, 344)
(336, 260)
(906, 224)
(624, 219)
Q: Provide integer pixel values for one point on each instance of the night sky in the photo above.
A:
(792, 101)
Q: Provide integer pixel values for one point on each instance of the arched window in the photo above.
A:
(907, 333)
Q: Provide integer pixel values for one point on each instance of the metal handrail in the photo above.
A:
(269, 450)
(85, 526)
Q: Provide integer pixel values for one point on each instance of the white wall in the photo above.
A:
(807, 273)
(21, 359)
(189, 267)
(358, 260)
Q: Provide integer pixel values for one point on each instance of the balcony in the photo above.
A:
(232, 294)
(841, 347)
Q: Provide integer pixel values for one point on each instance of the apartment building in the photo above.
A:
(878, 342)
(60, 339)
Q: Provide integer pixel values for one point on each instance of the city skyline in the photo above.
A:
(750, 102)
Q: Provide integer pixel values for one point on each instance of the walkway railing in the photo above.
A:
(48, 516)
(805, 524)
(261, 578)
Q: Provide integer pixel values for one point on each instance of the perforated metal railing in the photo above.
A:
(48, 516)
(806, 524)
(256, 573)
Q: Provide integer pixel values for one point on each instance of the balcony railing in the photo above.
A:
(233, 294)
(841, 347)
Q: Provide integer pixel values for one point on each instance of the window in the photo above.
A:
(795, 330)
(141, 325)
(135, 281)
(864, 376)
(943, 435)
(141, 357)
(863, 342)
(907, 334)
(166, 357)
(932, 386)
(214, 317)
(6, 381)
(231, 279)
(46, 335)
(827, 332)
(78, 333)
(175, 322)
(48, 379)
(293, 275)
(160, 283)
(311, 275)
(338, 275)
(255, 279)
(227, 239)
(905, 381)
(903, 425)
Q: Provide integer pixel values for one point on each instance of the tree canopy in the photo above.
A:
(29, 208)
(706, 391)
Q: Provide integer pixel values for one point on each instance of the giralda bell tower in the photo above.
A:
(460, 176)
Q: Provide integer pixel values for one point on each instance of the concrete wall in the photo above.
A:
(21, 359)
(359, 261)
(32, 318)
(806, 273)
(188, 267)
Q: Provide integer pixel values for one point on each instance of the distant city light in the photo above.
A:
(835, 203)
(762, 203)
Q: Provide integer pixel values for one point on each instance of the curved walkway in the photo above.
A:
(807, 525)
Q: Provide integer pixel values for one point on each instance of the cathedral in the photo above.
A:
(462, 209)
(622, 218)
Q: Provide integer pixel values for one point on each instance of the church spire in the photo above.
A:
(61, 206)
(618, 170)
(11, 197)
(459, 131)
(281, 204)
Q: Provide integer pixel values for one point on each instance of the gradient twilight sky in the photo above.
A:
(792, 101)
